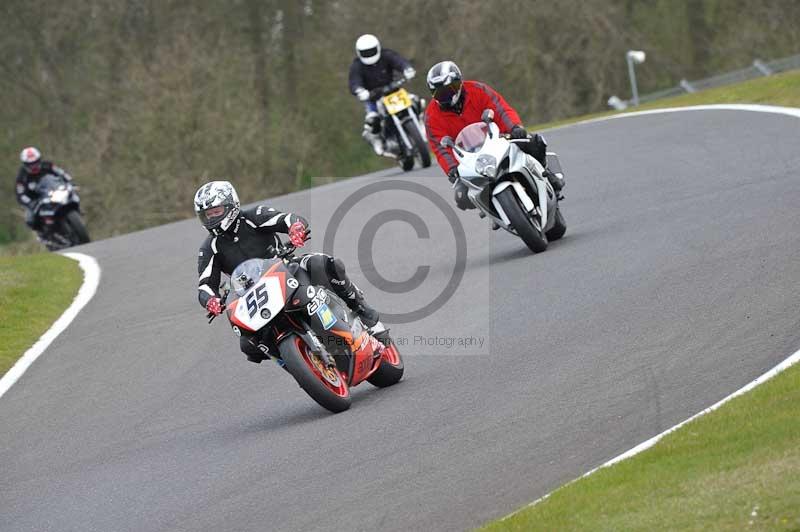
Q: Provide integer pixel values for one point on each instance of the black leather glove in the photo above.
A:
(452, 174)
(518, 132)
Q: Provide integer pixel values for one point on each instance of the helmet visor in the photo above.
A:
(33, 168)
(444, 93)
(212, 216)
(369, 52)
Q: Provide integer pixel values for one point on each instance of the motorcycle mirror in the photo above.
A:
(487, 116)
(447, 142)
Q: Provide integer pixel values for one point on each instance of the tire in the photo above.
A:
(559, 228)
(417, 141)
(78, 232)
(391, 369)
(406, 163)
(300, 362)
(533, 238)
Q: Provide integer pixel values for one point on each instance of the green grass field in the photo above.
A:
(737, 468)
(34, 291)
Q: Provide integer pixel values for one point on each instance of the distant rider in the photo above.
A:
(458, 103)
(373, 68)
(236, 235)
(32, 170)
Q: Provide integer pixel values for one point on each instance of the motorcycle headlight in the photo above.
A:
(486, 165)
(59, 196)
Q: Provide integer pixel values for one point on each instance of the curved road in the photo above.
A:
(676, 284)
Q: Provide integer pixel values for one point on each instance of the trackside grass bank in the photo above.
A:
(781, 89)
(737, 468)
(34, 291)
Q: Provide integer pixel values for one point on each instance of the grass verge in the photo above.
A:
(34, 291)
(780, 89)
(737, 468)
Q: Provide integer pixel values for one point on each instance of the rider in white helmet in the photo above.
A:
(374, 67)
(32, 170)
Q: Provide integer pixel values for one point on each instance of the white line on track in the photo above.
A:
(91, 278)
(793, 359)
(774, 109)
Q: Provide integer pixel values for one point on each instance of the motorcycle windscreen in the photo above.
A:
(472, 137)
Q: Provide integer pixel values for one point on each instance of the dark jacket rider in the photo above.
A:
(457, 104)
(372, 68)
(237, 235)
(32, 170)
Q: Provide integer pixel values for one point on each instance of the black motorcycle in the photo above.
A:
(57, 214)
(402, 129)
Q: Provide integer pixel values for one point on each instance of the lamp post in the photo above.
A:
(634, 57)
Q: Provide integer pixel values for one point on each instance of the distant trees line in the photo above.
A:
(144, 99)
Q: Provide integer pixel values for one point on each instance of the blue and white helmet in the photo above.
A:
(444, 82)
(217, 205)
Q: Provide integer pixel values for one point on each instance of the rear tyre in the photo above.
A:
(559, 228)
(326, 386)
(78, 232)
(419, 143)
(533, 237)
(391, 369)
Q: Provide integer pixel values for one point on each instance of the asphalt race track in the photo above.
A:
(676, 284)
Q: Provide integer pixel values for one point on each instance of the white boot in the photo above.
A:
(375, 140)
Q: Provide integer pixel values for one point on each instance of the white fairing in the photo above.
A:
(519, 162)
(271, 285)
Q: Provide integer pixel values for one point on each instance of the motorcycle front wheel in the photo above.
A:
(77, 230)
(419, 144)
(520, 221)
(325, 385)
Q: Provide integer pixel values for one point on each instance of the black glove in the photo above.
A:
(452, 175)
(518, 132)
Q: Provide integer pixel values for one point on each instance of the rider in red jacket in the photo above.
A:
(456, 104)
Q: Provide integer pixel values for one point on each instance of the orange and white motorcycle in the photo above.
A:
(316, 337)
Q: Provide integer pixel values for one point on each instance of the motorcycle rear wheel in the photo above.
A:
(391, 369)
(533, 238)
(559, 228)
(326, 386)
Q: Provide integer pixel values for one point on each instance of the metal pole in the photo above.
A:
(632, 76)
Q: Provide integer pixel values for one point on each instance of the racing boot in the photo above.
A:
(556, 181)
(351, 294)
(374, 139)
(256, 351)
(355, 300)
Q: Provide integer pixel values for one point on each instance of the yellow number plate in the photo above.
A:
(397, 101)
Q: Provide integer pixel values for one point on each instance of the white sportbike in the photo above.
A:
(507, 184)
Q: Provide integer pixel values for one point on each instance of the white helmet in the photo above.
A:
(368, 49)
(217, 205)
(31, 159)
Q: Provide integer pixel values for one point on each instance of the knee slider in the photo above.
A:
(336, 268)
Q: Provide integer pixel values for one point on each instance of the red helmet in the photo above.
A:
(31, 160)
